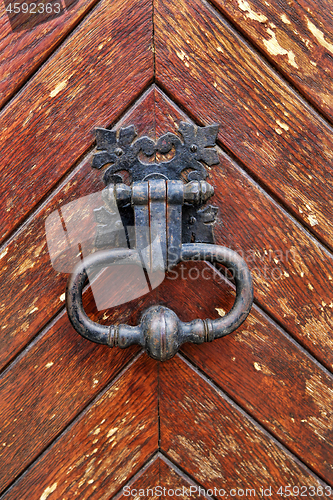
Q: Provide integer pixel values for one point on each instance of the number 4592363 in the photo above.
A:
(33, 8)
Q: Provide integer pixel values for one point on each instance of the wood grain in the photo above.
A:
(215, 442)
(31, 290)
(91, 79)
(280, 254)
(207, 68)
(159, 479)
(296, 36)
(23, 51)
(259, 366)
(104, 447)
(259, 347)
(48, 386)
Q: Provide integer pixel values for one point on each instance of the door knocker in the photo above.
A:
(170, 225)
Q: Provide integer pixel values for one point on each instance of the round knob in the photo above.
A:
(162, 331)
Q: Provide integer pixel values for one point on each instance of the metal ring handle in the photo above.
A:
(160, 331)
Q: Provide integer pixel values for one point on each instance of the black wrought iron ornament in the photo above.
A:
(163, 220)
(122, 149)
(192, 149)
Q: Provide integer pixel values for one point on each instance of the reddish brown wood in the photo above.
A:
(37, 291)
(45, 389)
(209, 70)
(215, 442)
(160, 479)
(296, 36)
(104, 447)
(280, 254)
(22, 51)
(50, 124)
(257, 351)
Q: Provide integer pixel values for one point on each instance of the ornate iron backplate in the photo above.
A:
(120, 150)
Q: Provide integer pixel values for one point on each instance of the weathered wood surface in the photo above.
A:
(296, 36)
(90, 81)
(31, 290)
(207, 68)
(47, 387)
(280, 254)
(103, 447)
(159, 479)
(50, 123)
(211, 439)
(23, 51)
(269, 376)
(264, 354)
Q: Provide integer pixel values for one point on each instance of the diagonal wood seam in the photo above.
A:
(154, 76)
(56, 317)
(172, 465)
(205, 376)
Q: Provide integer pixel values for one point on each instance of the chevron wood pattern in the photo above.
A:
(248, 412)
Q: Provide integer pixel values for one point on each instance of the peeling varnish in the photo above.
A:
(59, 88)
(251, 14)
(184, 57)
(319, 35)
(28, 118)
(284, 126)
(4, 253)
(221, 312)
(48, 491)
(312, 220)
(48, 365)
(285, 19)
(62, 297)
(275, 49)
(262, 368)
(111, 432)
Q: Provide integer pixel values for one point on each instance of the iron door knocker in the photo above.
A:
(170, 226)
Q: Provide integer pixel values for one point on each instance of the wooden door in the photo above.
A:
(249, 415)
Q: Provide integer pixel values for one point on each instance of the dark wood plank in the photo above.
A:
(216, 443)
(160, 479)
(37, 290)
(100, 69)
(210, 71)
(103, 448)
(23, 50)
(269, 376)
(280, 254)
(296, 36)
(47, 387)
(258, 365)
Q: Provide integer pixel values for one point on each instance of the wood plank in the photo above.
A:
(296, 36)
(48, 386)
(210, 438)
(98, 71)
(22, 51)
(31, 290)
(258, 365)
(280, 254)
(270, 377)
(104, 447)
(210, 71)
(159, 479)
